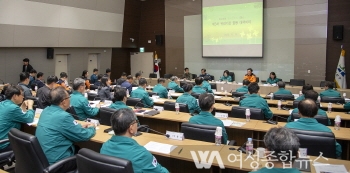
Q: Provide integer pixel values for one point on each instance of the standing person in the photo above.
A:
(142, 94)
(188, 99)
(160, 89)
(174, 86)
(250, 75)
(93, 77)
(39, 80)
(24, 78)
(43, 93)
(104, 91)
(128, 83)
(26, 66)
(187, 75)
(137, 78)
(226, 77)
(84, 76)
(272, 78)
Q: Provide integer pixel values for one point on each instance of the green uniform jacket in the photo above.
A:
(227, 78)
(311, 124)
(300, 98)
(272, 81)
(57, 131)
(243, 89)
(255, 101)
(198, 89)
(347, 105)
(276, 170)
(190, 101)
(143, 95)
(127, 148)
(174, 86)
(330, 93)
(319, 112)
(206, 118)
(206, 86)
(81, 106)
(283, 91)
(11, 116)
(118, 105)
(161, 90)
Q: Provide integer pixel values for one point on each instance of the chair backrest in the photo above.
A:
(72, 112)
(232, 74)
(242, 97)
(105, 115)
(182, 83)
(279, 79)
(170, 106)
(92, 96)
(93, 87)
(322, 84)
(257, 79)
(283, 97)
(168, 76)
(238, 94)
(333, 100)
(317, 142)
(194, 76)
(320, 118)
(152, 93)
(90, 161)
(199, 132)
(28, 152)
(297, 82)
(152, 75)
(213, 85)
(195, 95)
(132, 101)
(212, 77)
(239, 112)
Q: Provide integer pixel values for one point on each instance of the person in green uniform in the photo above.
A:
(278, 140)
(307, 110)
(122, 145)
(188, 99)
(253, 100)
(305, 88)
(313, 95)
(174, 86)
(160, 89)
(198, 87)
(57, 131)
(80, 103)
(272, 78)
(142, 94)
(11, 115)
(205, 117)
(244, 88)
(281, 89)
(226, 77)
(329, 91)
(119, 100)
(187, 75)
(206, 85)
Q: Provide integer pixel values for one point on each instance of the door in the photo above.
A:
(61, 64)
(92, 63)
(142, 62)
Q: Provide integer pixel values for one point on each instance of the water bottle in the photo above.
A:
(225, 93)
(127, 93)
(329, 108)
(249, 147)
(115, 81)
(300, 93)
(247, 115)
(86, 95)
(169, 95)
(279, 104)
(218, 135)
(222, 89)
(344, 95)
(177, 108)
(36, 88)
(337, 121)
(271, 98)
(319, 99)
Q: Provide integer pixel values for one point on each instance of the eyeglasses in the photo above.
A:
(65, 98)
(136, 121)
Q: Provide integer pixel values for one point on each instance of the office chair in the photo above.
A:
(212, 77)
(296, 102)
(199, 132)
(132, 101)
(182, 83)
(337, 100)
(152, 93)
(170, 106)
(232, 74)
(238, 94)
(72, 112)
(93, 87)
(242, 97)
(239, 112)
(152, 75)
(257, 79)
(317, 142)
(283, 97)
(213, 85)
(194, 76)
(105, 115)
(320, 118)
(30, 156)
(168, 76)
(89, 161)
(195, 95)
(297, 82)
(322, 83)
(92, 96)
(6, 157)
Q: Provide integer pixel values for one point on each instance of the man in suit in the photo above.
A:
(43, 93)
(24, 78)
(38, 82)
(127, 83)
(121, 79)
(93, 77)
(329, 91)
(26, 66)
(203, 73)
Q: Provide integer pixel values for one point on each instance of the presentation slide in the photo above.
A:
(232, 28)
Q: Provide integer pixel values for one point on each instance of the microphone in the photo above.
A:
(147, 127)
(270, 121)
(2, 81)
(242, 148)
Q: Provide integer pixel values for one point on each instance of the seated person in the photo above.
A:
(99, 77)
(281, 89)
(205, 117)
(63, 81)
(250, 75)
(174, 86)
(122, 145)
(187, 75)
(85, 76)
(313, 95)
(188, 99)
(253, 100)
(32, 75)
(128, 83)
(38, 82)
(24, 83)
(244, 88)
(137, 78)
(11, 115)
(160, 89)
(305, 88)
(93, 77)
(121, 79)
(272, 79)
(142, 94)
(119, 100)
(80, 103)
(307, 110)
(206, 85)
(226, 77)
(198, 87)
(279, 139)
(203, 73)
(329, 91)
(57, 131)
(43, 93)
(108, 73)
(2, 94)
(104, 90)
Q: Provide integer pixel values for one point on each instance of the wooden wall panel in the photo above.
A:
(121, 61)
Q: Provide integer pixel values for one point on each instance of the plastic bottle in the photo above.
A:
(319, 99)
(86, 95)
(169, 95)
(344, 95)
(271, 98)
(247, 115)
(177, 108)
(225, 93)
(127, 92)
(337, 121)
(218, 135)
(249, 147)
(36, 88)
(329, 108)
(279, 104)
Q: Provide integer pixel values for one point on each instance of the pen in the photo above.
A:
(179, 151)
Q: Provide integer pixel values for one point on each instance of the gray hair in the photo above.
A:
(281, 140)
(121, 120)
(57, 95)
(173, 78)
(77, 83)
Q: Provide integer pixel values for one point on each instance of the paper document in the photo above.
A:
(35, 121)
(217, 97)
(227, 122)
(238, 124)
(328, 168)
(159, 147)
(94, 103)
(38, 111)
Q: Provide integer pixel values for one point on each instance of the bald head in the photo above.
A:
(57, 95)
(307, 108)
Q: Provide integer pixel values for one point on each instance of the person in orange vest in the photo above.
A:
(250, 75)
